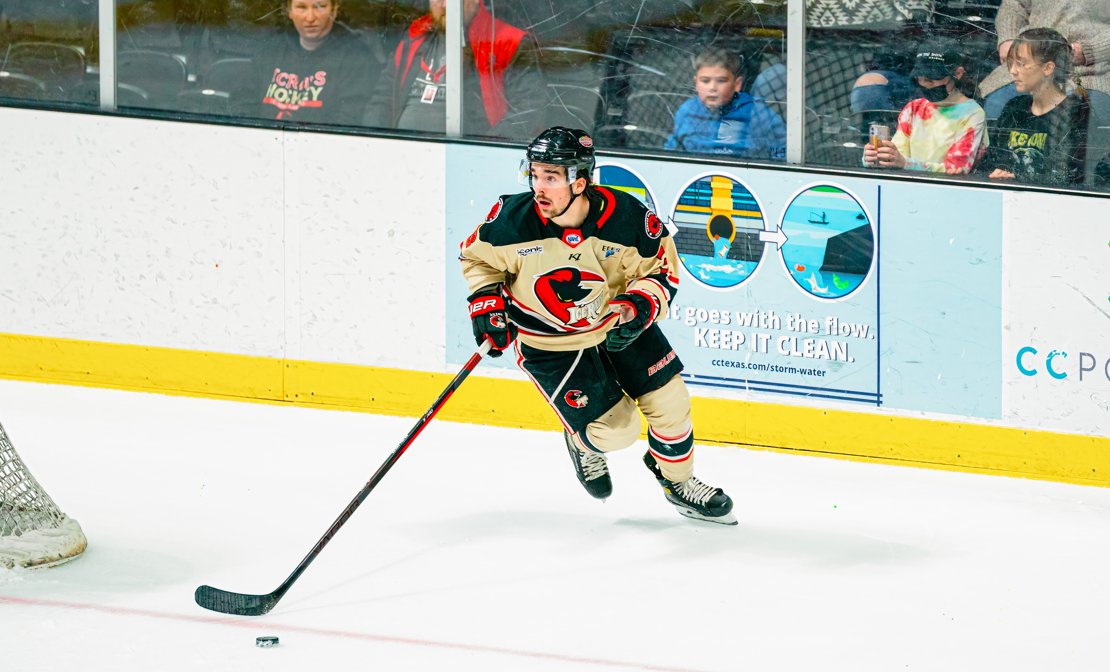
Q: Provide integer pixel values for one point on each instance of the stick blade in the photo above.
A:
(236, 604)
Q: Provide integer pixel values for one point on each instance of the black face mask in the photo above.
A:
(935, 94)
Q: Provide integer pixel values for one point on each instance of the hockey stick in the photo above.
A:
(241, 604)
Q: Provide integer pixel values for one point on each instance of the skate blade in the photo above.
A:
(601, 497)
(727, 519)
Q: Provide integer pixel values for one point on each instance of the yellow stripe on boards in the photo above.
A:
(870, 437)
(875, 437)
(506, 403)
(139, 367)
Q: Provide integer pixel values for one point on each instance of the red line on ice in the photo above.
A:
(254, 624)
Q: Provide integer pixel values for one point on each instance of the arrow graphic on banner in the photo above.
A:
(778, 237)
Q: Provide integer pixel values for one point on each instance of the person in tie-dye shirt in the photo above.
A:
(945, 130)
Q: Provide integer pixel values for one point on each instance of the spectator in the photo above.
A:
(883, 88)
(503, 89)
(1041, 134)
(943, 131)
(721, 119)
(320, 74)
(1086, 23)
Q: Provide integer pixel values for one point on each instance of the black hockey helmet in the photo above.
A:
(562, 146)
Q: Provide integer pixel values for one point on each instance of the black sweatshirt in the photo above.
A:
(1048, 149)
(329, 85)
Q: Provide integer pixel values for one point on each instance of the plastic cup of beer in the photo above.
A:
(878, 134)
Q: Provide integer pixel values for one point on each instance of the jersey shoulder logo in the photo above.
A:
(495, 210)
(653, 225)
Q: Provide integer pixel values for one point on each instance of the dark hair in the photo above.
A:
(718, 56)
(968, 84)
(1046, 46)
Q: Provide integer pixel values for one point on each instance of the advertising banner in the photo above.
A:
(1057, 296)
(785, 291)
(783, 302)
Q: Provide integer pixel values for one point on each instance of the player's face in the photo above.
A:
(716, 85)
(550, 189)
(313, 19)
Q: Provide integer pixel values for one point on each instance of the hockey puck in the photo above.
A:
(266, 641)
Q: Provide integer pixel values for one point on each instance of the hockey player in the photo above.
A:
(582, 273)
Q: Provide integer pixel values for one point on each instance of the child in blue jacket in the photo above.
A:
(723, 120)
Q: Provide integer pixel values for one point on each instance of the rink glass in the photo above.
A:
(617, 68)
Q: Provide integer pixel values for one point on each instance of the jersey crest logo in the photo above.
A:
(653, 225)
(572, 238)
(495, 210)
(576, 399)
(562, 294)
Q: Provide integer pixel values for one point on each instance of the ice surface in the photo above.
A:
(480, 551)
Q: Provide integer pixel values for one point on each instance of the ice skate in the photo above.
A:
(693, 498)
(592, 470)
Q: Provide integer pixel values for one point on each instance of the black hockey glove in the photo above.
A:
(646, 309)
(489, 319)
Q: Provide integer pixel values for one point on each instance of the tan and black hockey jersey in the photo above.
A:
(558, 281)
